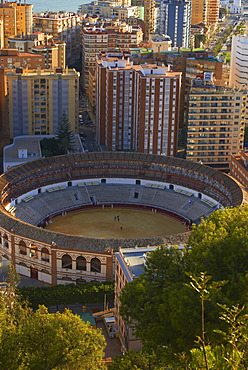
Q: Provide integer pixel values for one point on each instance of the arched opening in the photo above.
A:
(22, 248)
(33, 252)
(95, 265)
(23, 264)
(45, 255)
(81, 263)
(5, 241)
(66, 262)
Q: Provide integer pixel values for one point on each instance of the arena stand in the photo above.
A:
(33, 191)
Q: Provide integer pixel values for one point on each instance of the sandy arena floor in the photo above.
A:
(103, 223)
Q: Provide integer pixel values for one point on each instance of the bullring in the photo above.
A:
(102, 179)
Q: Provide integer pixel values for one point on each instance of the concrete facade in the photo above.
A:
(216, 122)
(175, 20)
(37, 99)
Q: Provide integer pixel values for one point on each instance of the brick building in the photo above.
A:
(137, 106)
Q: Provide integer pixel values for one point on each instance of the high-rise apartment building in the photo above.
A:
(1, 34)
(112, 35)
(16, 19)
(239, 61)
(4, 128)
(205, 11)
(37, 99)
(192, 64)
(149, 14)
(63, 26)
(216, 121)
(137, 106)
(175, 20)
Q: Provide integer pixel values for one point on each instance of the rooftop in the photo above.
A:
(32, 146)
(132, 260)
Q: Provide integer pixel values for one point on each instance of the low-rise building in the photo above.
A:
(239, 167)
(53, 51)
(129, 265)
(12, 58)
(27, 148)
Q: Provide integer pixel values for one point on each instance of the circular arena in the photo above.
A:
(34, 194)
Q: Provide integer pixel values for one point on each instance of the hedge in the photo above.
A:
(68, 294)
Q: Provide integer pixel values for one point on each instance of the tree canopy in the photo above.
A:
(39, 340)
(167, 314)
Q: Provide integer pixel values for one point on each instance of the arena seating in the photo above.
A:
(49, 203)
(60, 199)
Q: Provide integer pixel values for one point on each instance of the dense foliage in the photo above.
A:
(67, 294)
(168, 315)
(38, 340)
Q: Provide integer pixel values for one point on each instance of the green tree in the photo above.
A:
(201, 284)
(136, 361)
(65, 135)
(236, 336)
(38, 340)
(219, 245)
(160, 304)
(60, 341)
(166, 314)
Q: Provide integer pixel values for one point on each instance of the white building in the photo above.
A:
(239, 61)
(236, 7)
(27, 148)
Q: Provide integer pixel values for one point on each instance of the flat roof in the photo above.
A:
(31, 143)
(132, 260)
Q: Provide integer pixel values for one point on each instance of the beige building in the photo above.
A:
(37, 99)
(54, 52)
(111, 35)
(137, 107)
(216, 122)
(159, 43)
(111, 9)
(63, 26)
(17, 19)
(149, 14)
